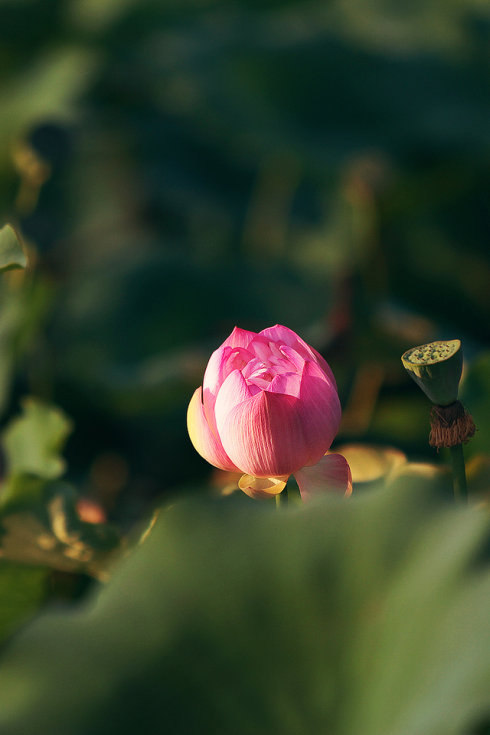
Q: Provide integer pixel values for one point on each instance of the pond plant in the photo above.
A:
(436, 368)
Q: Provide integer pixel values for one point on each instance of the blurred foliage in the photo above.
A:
(476, 393)
(341, 617)
(51, 533)
(23, 589)
(42, 527)
(174, 169)
(33, 442)
(11, 254)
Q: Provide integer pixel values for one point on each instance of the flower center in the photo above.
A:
(261, 377)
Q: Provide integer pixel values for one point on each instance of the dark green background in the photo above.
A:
(323, 165)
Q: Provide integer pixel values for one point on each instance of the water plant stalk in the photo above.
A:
(459, 473)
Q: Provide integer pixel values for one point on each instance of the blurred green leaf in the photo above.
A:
(24, 306)
(47, 88)
(22, 589)
(11, 254)
(32, 443)
(34, 440)
(41, 523)
(353, 617)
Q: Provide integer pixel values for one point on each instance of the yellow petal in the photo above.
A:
(207, 444)
(262, 487)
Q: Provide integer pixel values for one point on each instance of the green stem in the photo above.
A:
(459, 474)
(282, 498)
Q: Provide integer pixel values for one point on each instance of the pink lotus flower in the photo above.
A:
(269, 408)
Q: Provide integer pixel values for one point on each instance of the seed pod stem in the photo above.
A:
(459, 473)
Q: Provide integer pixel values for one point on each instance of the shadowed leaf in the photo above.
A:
(52, 534)
(355, 617)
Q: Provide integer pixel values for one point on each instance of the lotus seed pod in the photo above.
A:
(436, 368)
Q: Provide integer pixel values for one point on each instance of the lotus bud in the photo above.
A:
(269, 408)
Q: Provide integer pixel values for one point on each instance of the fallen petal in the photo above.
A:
(330, 474)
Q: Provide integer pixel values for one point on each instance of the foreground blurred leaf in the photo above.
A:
(11, 254)
(22, 588)
(354, 617)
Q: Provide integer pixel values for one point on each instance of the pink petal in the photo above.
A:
(239, 338)
(251, 367)
(286, 336)
(331, 474)
(280, 334)
(320, 411)
(206, 443)
(286, 383)
(323, 364)
(219, 367)
(234, 391)
(221, 363)
(264, 436)
(293, 357)
(260, 347)
(274, 348)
